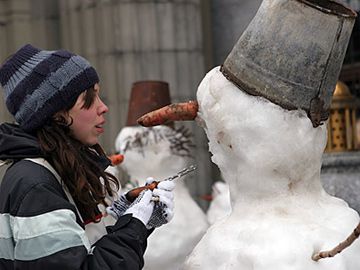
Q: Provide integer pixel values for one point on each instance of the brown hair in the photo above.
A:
(76, 163)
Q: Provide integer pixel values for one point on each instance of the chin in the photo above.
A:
(90, 142)
(94, 142)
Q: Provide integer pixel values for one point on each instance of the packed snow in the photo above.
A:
(220, 206)
(271, 159)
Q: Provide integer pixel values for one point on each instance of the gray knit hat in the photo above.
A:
(39, 83)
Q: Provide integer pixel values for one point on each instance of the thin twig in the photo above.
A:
(331, 253)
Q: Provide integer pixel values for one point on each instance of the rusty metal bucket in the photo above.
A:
(146, 96)
(292, 52)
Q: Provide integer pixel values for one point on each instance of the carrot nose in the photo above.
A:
(173, 112)
(116, 159)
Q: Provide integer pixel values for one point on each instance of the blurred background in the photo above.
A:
(176, 41)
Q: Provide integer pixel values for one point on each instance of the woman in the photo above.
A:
(55, 184)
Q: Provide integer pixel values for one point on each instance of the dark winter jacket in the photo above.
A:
(41, 230)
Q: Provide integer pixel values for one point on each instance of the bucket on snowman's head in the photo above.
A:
(146, 96)
(291, 53)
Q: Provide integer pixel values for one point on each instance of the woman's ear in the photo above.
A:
(62, 116)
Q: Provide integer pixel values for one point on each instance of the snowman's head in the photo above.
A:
(154, 152)
(249, 133)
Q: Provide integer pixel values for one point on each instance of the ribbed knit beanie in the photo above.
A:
(39, 83)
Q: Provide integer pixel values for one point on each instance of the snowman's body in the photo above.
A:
(161, 152)
(271, 159)
(220, 206)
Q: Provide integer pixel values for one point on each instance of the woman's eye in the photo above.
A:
(103, 98)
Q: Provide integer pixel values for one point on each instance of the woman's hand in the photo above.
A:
(153, 208)
(164, 204)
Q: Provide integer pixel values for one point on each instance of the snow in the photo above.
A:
(271, 159)
(160, 152)
(220, 206)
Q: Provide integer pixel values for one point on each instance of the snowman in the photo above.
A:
(158, 153)
(220, 205)
(263, 112)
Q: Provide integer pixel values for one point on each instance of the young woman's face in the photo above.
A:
(88, 117)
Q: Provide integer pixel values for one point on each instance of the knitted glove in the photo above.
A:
(142, 207)
(118, 207)
(164, 204)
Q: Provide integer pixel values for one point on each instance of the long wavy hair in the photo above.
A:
(76, 163)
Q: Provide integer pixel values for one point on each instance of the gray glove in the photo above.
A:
(118, 207)
(163, 210)
(164, 204)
